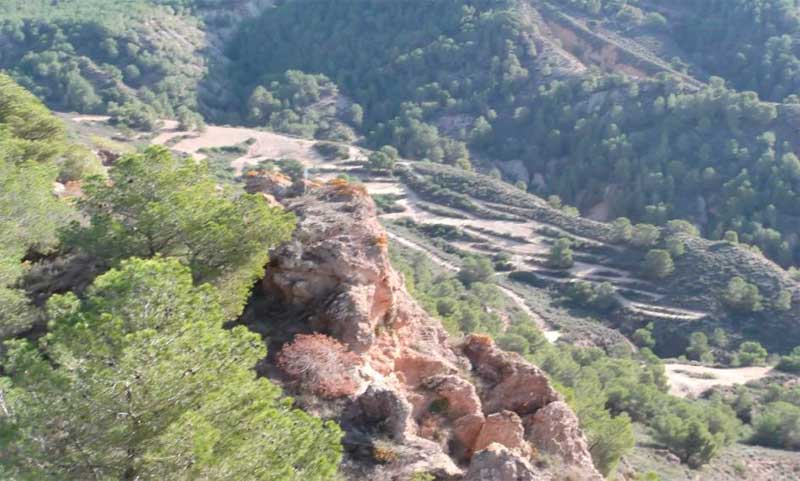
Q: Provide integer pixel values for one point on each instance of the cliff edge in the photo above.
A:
(363, 352)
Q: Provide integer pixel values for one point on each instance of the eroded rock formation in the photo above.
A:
(469, 411)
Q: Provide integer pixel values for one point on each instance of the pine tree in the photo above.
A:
(140, 381)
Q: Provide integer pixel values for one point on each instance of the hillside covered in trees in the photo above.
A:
(683, 119)
(589, 184)
(135, 378)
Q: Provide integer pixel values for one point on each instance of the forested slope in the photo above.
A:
(481, 74)
(134, 377)
(455, 81)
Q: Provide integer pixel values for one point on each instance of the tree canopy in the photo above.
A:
(156, 204)
(140, 381)
(32, 144)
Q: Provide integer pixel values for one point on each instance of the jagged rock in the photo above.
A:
(335, 278)
(381, 406)
(271, 183)
(514, 384)
(462, 400)
(466, 430)
(498, 463)
(411, 367)
(348, 317)
(555, 430)
(503, 428)
(414, 456)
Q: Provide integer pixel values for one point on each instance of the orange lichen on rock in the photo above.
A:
(344, 187)
(381, 240)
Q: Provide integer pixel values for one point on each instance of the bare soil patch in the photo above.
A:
(687, 380)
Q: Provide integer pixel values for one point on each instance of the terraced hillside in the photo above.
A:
(452, 215)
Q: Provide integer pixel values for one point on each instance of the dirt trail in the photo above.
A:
(551, 335)
(686, 379)
(413, 245)
(665, 312)
(266, 145)
(91, 118)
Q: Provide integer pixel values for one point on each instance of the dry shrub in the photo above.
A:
(384, 453)
(320, 364)
(337, 182)
(280, 176)
(381, 240)
(345, 188)
(480, 340)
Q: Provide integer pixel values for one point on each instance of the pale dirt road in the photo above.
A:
(266, 145)
(685, 385)
(91, 118)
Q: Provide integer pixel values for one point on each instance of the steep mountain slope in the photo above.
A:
(409, 402)
(524, 81)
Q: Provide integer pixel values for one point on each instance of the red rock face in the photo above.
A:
(413, 387)
(503, 428)
(555, 429)
(514, 384)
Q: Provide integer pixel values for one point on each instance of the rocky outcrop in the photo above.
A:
(470, 411)
(554, 429)
(511, 382)
(457, 392)
(503, 428)
(498, 463)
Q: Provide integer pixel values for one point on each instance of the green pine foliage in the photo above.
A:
(560, 256)
(156, 204)
(459, 301)
(32, 146)
(139, 381)
(790, 362)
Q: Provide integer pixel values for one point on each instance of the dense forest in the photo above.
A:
(428, 91)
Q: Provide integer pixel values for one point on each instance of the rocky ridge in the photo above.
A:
(409, 401)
